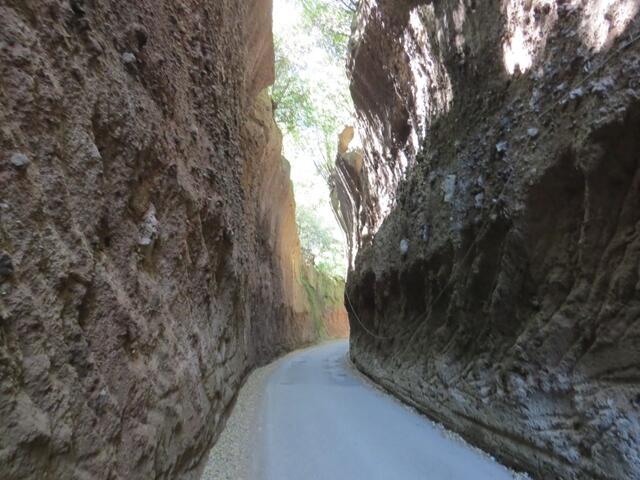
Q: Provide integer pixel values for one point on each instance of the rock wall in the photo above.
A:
(496, 285)
(325, 297)
(348, 188)
(148, 248)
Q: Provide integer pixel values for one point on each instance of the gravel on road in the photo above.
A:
(230, 458)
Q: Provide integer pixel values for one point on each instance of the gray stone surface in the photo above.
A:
(518, 323)
(323, 420)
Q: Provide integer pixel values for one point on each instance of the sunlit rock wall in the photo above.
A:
(148, 250)
(325, 297)
(348, 186)
(495, 218)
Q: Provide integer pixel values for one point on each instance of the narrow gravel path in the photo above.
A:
(310, 416)
(230, 458)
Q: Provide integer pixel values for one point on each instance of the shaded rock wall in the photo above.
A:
(148, 249)
(497, 217)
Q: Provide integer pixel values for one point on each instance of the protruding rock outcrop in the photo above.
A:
(148, 248)
(349, 185)
(495, 215)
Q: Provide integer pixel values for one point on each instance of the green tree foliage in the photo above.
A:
(312, 105)
(317, 239)
(294, 108)
(332, 18)
(308, 105)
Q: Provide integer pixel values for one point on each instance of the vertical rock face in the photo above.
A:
(148, 249)
(349, 186)
(325, 296)
(495, 214)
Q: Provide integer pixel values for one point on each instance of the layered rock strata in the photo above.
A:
(496, 223)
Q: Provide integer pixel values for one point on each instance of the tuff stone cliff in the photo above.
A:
(495, 214)
(325, 296)
(149, 256)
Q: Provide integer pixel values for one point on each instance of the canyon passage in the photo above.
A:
(153, 254)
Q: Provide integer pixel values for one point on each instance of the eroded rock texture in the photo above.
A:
(325, 296)
(496, 216)
(148, 249)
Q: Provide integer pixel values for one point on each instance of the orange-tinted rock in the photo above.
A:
(150, 250)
